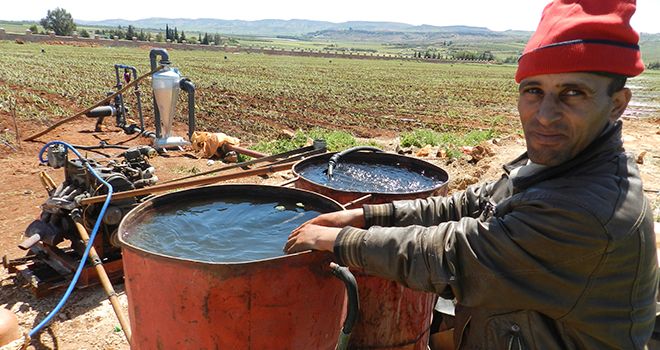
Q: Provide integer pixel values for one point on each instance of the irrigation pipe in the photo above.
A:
(285, 157)
(76, 276)
(196, 182)
(98, 103)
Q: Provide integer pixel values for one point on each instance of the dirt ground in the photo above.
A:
(87, 321)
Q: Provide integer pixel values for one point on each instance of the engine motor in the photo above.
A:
(45, 236)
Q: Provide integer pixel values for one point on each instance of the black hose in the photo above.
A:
(353, 303)
(335, 158)
(186, 85)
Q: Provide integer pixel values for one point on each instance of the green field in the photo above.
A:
(255, 96)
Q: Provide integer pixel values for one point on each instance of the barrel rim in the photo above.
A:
(296, 167)
(145, 206)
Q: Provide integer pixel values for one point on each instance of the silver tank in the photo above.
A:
(165, 84)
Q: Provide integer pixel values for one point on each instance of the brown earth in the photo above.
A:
(87, 321)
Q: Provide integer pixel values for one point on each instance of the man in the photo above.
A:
(557, 254)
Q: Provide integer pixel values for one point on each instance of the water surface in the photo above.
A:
(371, 178)
(224, 230)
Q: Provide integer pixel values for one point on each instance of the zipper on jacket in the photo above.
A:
(515, 342)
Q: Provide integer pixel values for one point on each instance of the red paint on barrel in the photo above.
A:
(391, 316)
(288, 302)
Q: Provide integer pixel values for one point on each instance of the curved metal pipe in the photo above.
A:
(335, 158)
(164, 57)
(353, 303)
(186, 85)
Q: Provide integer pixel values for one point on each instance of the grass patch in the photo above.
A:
(451, 142)
(336, 141)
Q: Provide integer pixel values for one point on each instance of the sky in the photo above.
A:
(493, 14)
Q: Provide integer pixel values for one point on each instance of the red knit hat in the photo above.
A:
(583, 36)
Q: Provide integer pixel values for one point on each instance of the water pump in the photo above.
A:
(53, 244)
(166, 84)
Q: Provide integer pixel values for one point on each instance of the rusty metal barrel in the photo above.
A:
(284, 302)
(391, 315)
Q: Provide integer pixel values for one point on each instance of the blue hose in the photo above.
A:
(76, 276)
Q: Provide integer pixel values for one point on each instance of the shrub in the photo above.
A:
(336, 141)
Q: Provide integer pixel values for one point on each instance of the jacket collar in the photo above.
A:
(607, 143)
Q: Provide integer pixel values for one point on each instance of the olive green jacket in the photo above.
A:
(561, 259)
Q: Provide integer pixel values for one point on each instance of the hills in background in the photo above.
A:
(502, 43)
(294, 27)
(384, 37)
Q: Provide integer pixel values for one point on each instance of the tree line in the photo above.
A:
(61, 22)
(456, 55)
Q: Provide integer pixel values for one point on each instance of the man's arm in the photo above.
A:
(537, 255)
(430, 211)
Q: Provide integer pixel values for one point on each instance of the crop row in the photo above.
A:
(254, 96)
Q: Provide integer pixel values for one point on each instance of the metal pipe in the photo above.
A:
(120, 97)
(164, 57)
(103, 277)
(137, 93)
(186, 85)
(102, 111)
(288, 182)
(357, 201)
(248, 152)
(353, 304)
(100, 146)
(286, 157)
(197, 182)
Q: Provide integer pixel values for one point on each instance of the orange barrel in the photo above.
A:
(285, 302)
(391, 316)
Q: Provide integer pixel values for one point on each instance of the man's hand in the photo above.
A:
(353, 217)
(310, 236)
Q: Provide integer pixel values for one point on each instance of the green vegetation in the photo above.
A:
(255, 97)
(59, 21)
(335, 140)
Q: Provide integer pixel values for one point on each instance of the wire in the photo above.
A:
(76, 276)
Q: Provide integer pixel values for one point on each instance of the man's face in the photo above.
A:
(562, 114)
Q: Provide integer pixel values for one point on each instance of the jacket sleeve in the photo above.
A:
(429, 211)
(537, 255)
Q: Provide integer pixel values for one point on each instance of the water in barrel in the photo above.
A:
(229, 229)
(371, 177)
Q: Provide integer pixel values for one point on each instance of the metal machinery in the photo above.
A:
(166, 84)
(52, 241)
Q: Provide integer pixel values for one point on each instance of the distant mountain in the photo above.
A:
(297, 27)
